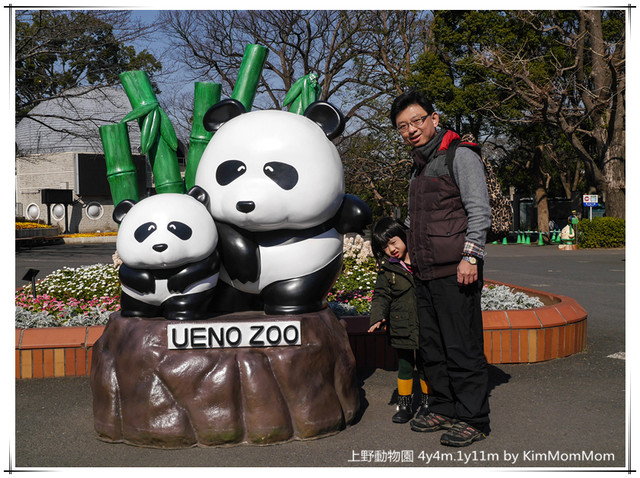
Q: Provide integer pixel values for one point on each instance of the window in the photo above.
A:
(94, 210)
(33, 212)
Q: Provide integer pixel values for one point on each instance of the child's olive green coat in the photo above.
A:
(394, 299)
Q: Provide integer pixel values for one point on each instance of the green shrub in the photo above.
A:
(601, 232)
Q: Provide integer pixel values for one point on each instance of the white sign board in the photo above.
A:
(233, 334)
(590, 200)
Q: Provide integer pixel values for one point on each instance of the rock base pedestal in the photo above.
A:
(146, 394)
(568, 247)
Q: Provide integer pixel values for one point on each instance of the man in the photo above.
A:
(449, 220)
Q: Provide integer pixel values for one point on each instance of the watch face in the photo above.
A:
(471, 259)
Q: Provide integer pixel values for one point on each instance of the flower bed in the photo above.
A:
(86, 295)
(31, 225)
(55, 331)
(70, 297)
(90, 234)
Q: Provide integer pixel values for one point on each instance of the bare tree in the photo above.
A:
(60, 54)
(362, 58)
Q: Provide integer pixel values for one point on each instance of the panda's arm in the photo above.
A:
(240, 255)
(137, 279)
(194, 272)
(353, 216)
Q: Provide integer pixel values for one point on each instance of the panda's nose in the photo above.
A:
(160, 247)
(245, 206)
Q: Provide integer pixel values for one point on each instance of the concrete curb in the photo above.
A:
(90, 240)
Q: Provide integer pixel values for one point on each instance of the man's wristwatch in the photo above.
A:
(470, 259)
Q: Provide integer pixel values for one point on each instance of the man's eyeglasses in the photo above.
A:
(416, 122)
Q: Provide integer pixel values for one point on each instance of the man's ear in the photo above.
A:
(222, 112)
(327, 116)
(121, 210)
(435, 117)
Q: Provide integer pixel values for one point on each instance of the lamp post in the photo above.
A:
(31, 276)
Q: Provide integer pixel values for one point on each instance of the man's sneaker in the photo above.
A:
(423, 408)
(404, 413)
(430, 422)
(461, 434)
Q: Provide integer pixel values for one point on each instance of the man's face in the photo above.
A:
(414, 130)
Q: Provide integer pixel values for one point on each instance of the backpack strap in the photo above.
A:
(451, 155)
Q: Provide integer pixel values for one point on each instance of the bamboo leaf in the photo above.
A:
(167, 131)
(308, 94)
(139, 112)
(296, 106)
(294, 91)
(149, 130)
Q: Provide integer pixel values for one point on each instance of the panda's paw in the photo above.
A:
(182, 315)
(279, 309)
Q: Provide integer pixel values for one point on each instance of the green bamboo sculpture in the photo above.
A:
(205, 95)
(121, 171)
(158, 139)
(303, 92)
(249, 74)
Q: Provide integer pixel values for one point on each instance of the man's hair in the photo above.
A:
(408, 98)
(382, 232)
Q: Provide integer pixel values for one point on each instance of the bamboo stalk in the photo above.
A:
(205, 95)
(121, 171)
(158, 139)
(249, 75)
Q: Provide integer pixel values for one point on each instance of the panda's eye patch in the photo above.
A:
(230, 171)
(284, 175)
(144, 231)
(180, 229)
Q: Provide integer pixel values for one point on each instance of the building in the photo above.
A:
(59, 158)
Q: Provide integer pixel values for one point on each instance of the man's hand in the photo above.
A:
(377, 325)
(467, 273)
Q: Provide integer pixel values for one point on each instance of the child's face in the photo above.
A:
(396, 248)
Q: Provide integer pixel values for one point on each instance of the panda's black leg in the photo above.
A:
(226, 300)
(187, 307)
(132, 307)
(302, 294)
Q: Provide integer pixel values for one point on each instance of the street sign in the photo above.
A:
(590, 200)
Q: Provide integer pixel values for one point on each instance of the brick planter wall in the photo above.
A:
(55, 351)
(558, 329)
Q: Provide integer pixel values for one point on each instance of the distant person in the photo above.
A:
(394, 306)
(449, 220)
(572, 222)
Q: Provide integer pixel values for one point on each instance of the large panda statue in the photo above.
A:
(167, 244)
(277, 196)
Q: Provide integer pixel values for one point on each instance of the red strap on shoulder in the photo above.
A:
(448, 137)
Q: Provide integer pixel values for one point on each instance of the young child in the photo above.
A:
(394, 303)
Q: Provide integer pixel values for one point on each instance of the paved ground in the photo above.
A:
(562, 413)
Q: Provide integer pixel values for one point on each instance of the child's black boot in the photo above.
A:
(404, 413)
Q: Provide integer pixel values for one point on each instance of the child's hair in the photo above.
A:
(385, 229)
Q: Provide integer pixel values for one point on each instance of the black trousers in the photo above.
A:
(452, 349)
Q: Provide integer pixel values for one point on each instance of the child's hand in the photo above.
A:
(378, 325)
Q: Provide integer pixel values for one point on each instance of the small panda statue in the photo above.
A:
(167, 244)
(277, 195)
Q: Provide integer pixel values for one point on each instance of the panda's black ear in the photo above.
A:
(200, 194)
(327, 116)
(121, 210)
(222, 112)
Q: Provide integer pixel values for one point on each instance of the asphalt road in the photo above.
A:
(565, 413)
